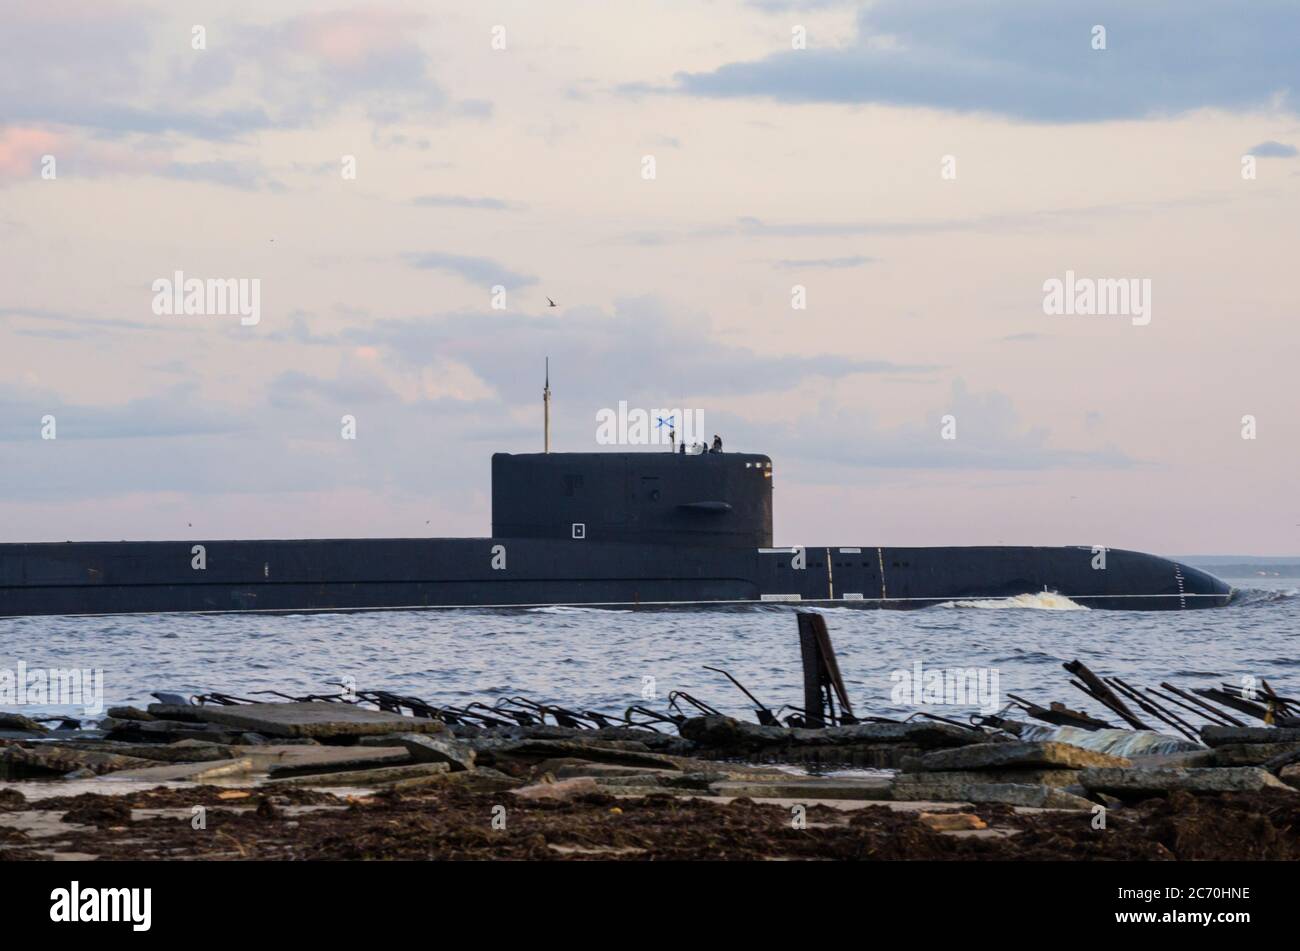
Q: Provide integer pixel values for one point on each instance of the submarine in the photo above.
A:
(608, 529)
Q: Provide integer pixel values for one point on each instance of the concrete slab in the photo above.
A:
(314, 760)
(363, 778)
(21, 735)
(270, 755)
(926, 805)
(184, 752)
(813, 787)
(483, 779)
(50, 758)
(429, 748)
(21, 724)
(1002, 756)
(1139, 782)
(1224, 735)
(1059, 778)
(564, 789)
(183, 772)
(606, 751)
(573, 768)
(1013, 794)
(316, 719)
(165, 731)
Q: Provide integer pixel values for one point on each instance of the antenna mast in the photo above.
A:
(546, 409)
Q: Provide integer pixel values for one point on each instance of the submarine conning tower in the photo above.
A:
(715, 499)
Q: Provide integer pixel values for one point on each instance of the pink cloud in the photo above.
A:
(21, 149)
(348, 38)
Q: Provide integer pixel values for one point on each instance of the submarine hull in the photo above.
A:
(647, 528)
(97, 578)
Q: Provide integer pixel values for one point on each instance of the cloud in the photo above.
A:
(836, 263)
(364, 381)
(472, 380)
(1024, 337)
(474, 108)
(1273, 149)
(464, 201)
(85, 326)
(180, 442)
(641, 351)
(95, 66)
(173, 413)
(248, 176)
(118, 71)
(476, 270)
(321, 61)
(783, 6)
(78, 155)
(1049, 219)
(21, 150)
(294, 389)
(1034, 61)
(990, 436)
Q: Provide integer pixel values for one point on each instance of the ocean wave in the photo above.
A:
(1252, 597)
(1038, 601)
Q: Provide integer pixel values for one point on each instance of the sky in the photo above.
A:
(409, 183)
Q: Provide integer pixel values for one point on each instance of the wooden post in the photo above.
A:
(822, 684)
(813, 702)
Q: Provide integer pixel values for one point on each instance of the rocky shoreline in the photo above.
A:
(322, 780)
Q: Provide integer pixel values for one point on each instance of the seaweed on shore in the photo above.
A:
(453, 824)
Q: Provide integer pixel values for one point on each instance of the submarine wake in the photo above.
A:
(1038, 601)
(1255, 597)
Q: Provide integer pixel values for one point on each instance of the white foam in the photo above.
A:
(1115, 742)
(1038, 601)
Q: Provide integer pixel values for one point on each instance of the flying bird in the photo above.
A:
(551, 302)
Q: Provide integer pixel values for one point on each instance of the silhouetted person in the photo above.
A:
(717, 443)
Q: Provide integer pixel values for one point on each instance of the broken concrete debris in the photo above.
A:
(43, 759)
(315, 719)
(1038, 774)
(367, 777)
(868, 745)
(1014, 755)
(1225, 735)
(1158, 781)
(129, 713)
(938, 768)
(14, 722)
